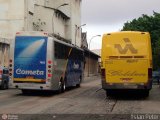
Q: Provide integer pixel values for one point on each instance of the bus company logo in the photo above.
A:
(125, 73)
(128, 46)
(29, 72)
(76, 66)
(4, 117)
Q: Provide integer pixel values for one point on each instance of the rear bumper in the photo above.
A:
(31, 86)
(134, 86)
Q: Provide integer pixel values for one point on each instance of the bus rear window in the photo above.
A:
(30, 47)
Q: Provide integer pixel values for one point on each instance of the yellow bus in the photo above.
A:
(126, 61)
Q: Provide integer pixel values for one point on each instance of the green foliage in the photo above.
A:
(149, 24)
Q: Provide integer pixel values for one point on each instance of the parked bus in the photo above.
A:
(40, 62)
(126, 62)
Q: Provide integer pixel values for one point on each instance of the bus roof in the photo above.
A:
(31, 33)
(45, 34)
(67, 44)
(122, 32)
(126, 43)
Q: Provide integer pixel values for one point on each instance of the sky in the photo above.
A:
(104, 16)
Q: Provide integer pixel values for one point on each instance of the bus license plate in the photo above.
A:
(30, 77)
(126, 85)
(28, 85)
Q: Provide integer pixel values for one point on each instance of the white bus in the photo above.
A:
(40, 62)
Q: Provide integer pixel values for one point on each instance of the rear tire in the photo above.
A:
(146, 93)
(109, 92)
(62, 87)
(79, 84)
(26, 92)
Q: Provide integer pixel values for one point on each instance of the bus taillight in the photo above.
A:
(49, 62)
(10, 61)
(49, 75)
(10, 67)
(103, 72)
(46, 34)
(149, 73)
(0, 71)
(17, 33)
(49, 69)
(49, 66)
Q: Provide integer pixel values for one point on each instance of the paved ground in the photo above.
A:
(89, 99)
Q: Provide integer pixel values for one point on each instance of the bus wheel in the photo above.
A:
(146, 93)
(109, 92)
(62, 87)
(25, 91)
(79, 82)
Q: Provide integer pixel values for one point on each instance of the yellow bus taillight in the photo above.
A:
(149, 73)
(103, 73)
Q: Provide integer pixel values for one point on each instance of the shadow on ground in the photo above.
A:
(127, 95)
(44, 93)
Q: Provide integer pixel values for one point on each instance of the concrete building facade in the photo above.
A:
(92, 65)
(60, 18)
(4, 54)
(51, 16)
(91, 58)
